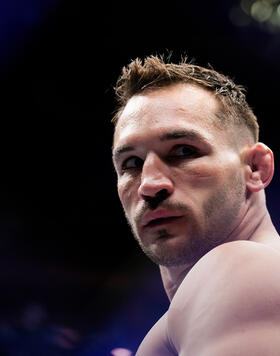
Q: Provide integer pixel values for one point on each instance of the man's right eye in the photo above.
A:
(132, 163)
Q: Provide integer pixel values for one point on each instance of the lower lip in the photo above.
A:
(161, 222)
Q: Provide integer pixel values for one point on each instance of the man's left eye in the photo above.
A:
(184, 151)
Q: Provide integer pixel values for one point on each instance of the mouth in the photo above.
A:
(162, 221)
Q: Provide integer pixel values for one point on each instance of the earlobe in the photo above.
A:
(260, 164)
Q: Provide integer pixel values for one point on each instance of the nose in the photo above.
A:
(155, 178)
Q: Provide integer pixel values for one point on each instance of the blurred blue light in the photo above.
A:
(18, 18)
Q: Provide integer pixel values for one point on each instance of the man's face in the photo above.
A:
(180, 177)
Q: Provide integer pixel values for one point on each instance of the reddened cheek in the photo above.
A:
(213, 172)
(201, 174)
(198, 174)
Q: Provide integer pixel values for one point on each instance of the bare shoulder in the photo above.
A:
(157, 342)
(235, 288)
(237, 260)
(232, 253)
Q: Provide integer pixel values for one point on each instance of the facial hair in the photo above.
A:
(219, 217)
(166, 257)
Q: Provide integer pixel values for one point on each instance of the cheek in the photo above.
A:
(198, 175)
(207, 176)
(127, 191)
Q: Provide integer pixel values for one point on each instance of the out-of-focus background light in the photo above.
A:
(121, 352)
(261, 11)
(265, 13)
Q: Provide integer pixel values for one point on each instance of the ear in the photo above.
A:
(260, 164)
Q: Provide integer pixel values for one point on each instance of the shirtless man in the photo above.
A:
(191, 178)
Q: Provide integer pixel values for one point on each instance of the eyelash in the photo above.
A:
(124, 168)
(192, 152)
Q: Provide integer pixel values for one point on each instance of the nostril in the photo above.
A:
(162, 194)
(157, 199)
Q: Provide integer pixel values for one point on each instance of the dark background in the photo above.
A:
(64, 243)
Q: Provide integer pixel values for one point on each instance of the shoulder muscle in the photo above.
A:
(156, 342)
(232, 291)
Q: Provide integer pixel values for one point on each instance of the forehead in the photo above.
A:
(175, 107)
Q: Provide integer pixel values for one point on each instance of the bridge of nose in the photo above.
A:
(155, 176)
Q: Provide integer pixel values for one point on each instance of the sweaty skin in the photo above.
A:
(192, 190)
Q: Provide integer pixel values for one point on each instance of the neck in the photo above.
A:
(254, 224)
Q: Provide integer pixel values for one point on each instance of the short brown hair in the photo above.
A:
(154, 72)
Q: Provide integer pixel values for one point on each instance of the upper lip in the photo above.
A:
(157, 214)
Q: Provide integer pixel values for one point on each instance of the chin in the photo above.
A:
(171, 252)
(168, 261)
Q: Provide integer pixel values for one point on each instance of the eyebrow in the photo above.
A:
(191, 135)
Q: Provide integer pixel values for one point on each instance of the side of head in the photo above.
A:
(187, 157)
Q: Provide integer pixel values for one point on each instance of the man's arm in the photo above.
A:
(229, 304)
